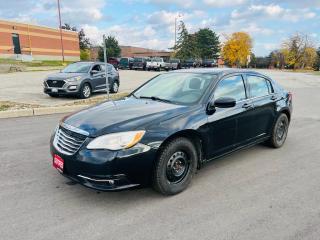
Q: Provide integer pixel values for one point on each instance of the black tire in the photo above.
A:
(115, 87)
(175, 166)
(85, 91)
(279, 132)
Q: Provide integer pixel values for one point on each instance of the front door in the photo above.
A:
(97, 78)
(223, 123)
(16, 43)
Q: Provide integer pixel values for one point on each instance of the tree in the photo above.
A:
(299, 51)
(207, 43)
(84, 42)
(84, 54)
(67, 26)
(277, 59)
(316, 65)
(237, 48)
(185, 46)
(112, 48)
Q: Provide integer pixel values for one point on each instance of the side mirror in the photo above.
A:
(225, 102)
(93, 72)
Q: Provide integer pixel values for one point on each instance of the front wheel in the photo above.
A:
(175, 167)
(115, 87)
(85, 91)
(279, 131)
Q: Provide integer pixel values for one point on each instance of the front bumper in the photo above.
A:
(69, 88)
(106, 170)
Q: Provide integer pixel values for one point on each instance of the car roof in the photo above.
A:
(92, 62)
(219, 71)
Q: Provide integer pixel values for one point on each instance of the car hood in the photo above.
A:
(63, 76)
(123, 115)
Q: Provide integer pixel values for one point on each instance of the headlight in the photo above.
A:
(116, 141)
(73, 79)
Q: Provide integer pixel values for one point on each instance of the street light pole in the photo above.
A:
(106, 65)
(59, 13)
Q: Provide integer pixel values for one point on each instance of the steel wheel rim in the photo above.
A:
(177, 167)
(281, 130)
(86, 91)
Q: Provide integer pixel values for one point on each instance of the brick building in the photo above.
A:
(24, 41)
(130, 51)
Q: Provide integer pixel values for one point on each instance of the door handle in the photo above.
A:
(247, 105)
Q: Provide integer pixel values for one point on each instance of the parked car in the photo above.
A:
(126, 63)
(114, 62)
(169, 127)
(190, 63)
(81, 79)
(140, 63)
(156, 64)
(172, 64)
(209, 63)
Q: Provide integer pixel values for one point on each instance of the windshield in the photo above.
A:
(138, 59)
(179, 88)
(123, 60)
(79, 67)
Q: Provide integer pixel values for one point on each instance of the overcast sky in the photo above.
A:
(150, 23)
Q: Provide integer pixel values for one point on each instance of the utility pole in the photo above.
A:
(59, 13)
(106, 65)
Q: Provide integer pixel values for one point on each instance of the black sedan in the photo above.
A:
(169, 127)
(81, 79)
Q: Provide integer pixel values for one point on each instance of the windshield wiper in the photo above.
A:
(154, 98)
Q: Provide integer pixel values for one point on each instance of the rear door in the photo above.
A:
(264, 102)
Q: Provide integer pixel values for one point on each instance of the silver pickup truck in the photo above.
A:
(172, 64)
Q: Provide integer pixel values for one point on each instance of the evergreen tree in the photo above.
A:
(207, 44)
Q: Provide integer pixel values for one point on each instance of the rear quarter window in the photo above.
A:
(258, 86)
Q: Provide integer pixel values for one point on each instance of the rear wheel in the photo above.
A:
(279, 131)
(175, 166)
(85, 91)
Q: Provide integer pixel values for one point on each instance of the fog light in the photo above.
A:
(72, 87)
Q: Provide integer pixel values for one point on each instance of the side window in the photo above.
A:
(231, 87)
(258, 86)
(96, 67)
(270, 88)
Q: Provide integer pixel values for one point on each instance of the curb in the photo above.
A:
(28, 112)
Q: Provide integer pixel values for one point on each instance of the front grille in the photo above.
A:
(68, 142)
(55, 83)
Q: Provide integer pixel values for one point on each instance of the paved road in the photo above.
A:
(26, 87)
(258, 193)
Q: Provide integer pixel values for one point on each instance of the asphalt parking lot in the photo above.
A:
(257, 193)
(26, 87)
